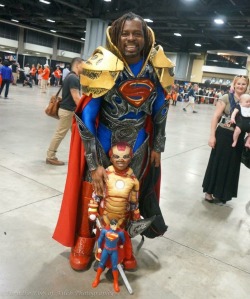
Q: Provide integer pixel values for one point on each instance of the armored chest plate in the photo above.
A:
(136, 91)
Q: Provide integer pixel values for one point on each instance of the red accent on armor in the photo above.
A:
(135, 95)
(122, 146)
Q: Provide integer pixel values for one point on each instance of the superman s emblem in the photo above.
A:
(136, 91)
(112, 236)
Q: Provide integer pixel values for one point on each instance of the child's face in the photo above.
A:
(120, 158)
(245, 102)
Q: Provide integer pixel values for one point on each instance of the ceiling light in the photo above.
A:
(44, 1)
(49, 20)
(219, 21)
(13, 20)
(238, 36)
(177, 34)
(148, 20)
(53, 30)
(82, 38)
(248, 48)
(2, 5)
(197, 45)
(107, 0)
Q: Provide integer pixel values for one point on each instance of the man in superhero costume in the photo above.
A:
(124, 100)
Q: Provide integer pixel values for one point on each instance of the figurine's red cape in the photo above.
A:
(65, 230)
(66, 225)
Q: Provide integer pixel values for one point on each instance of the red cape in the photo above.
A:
(65, 230)
(66, 225)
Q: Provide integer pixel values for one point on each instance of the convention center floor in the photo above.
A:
(204, 254)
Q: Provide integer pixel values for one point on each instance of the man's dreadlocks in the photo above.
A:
(117, 27)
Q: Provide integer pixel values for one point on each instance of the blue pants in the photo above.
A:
(7, 83)
(113, 254)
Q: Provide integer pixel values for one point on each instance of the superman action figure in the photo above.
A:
(108, 242)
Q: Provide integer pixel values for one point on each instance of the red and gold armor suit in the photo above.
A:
(121, 198)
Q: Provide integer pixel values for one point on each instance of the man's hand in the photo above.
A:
(156, 158)
(99, 178)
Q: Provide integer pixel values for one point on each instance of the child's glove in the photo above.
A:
(92, 210)
(136, 215)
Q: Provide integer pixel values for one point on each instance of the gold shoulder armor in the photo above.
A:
(100, 72)
(163, 67)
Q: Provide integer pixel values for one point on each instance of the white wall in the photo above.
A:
(38, 48)
(8, 42)
(49, 51)
(224, 70)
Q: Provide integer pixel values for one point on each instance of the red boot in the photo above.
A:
(81, 253)
(129, 261)
(97, 278)
(116, 285)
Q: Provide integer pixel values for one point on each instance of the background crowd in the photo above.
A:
(204, 94)
(30, 75)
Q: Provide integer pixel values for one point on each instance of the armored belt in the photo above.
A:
(122, 130)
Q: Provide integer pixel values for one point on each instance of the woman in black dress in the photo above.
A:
(222, 174)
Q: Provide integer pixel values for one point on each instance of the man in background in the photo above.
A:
(191, 97)
(14, 67)
(27, 70)
(70, 97)
(6, 74)
(33, 71)
(65, 72)
(45, 77)
(57, 75)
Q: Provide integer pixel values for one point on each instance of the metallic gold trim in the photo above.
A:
(100, 72)
(163, 67)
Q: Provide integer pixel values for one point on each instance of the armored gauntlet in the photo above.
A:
(89, 141)
(159, 128)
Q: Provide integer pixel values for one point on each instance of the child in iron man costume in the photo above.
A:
(123, 100)
(120, 201)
